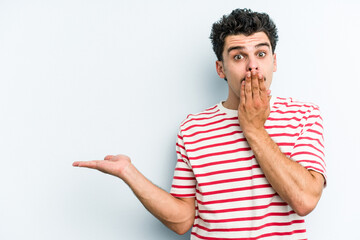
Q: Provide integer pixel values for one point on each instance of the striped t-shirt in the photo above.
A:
(233, 198)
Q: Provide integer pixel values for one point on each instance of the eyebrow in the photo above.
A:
(242, 47)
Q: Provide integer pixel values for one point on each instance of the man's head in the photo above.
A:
(242, 21)
(244, 43)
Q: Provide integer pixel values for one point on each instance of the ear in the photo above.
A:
(275, 63)
(220, 69)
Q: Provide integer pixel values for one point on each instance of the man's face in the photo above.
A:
(243, 54)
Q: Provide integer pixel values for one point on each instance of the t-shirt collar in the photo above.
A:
(233, 112)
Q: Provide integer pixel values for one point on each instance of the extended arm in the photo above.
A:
(176, 213)
(296, 185)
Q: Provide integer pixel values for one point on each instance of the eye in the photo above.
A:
(238, 57)
(261, 54)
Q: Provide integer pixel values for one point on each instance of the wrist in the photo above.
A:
(255, 134)
(126, 172)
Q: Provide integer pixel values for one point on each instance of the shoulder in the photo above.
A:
(292, 109)
(292, 104)
(203, 117)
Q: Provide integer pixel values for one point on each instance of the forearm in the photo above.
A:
(295, 184)
(176, 214)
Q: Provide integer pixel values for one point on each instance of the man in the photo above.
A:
(249, 167)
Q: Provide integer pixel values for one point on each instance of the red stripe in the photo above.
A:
(283, 119)
(207, 111)
(306, 153)
(204, 118)
(245, 208)
(314, 162)
(287, 153)
(211, 108)
(182, 155)
(182, 195)
(226, 171)
(285, 112)
(213, 137)
(233, 190)
(286, 144)
(208, 124)
(183, 169)
(293, 118)
(313, 116)
(284, 135)
(284, 126)
(223, 162)
(183, 186)
(296, 105)
(184, 178)
(180, 146)
(317, 169)
(212, 130)
(313, 131)
(249, 228)
(217, 145)
(237, 199)
(316, 123)
(309, 145)
(313, 139)
(231, 180)
(309, 124)
(221, 153)
(253, 238)
(272, 214)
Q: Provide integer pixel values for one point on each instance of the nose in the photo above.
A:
(252, 64)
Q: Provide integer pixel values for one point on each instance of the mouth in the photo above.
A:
(244, 79)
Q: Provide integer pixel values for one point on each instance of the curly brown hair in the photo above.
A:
(242, 21)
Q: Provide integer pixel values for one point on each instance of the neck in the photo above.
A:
(231, 103)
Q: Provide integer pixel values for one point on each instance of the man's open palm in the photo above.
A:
(114, 165)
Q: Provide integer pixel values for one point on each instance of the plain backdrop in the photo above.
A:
(83, 79)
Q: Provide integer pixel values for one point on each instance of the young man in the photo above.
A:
(249, 167)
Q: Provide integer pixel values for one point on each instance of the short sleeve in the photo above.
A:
(309, 147)
(184, 183)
